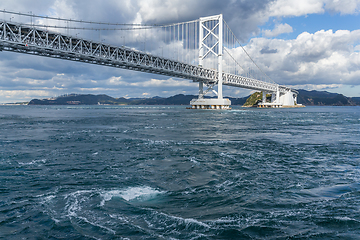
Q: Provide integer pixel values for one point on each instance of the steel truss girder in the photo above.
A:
(254, 84)
(244, 82)
(17, 38)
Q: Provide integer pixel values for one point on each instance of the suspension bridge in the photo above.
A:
(204, 51)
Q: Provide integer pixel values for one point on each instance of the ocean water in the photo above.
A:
(165, 172)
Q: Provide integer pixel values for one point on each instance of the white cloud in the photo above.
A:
(325, 57)
(167, 11)
(286, 8)
(279, 29)
(291, 8)
(8, 96)
(63, 9)
(116, 81)
(343, 6)
(164, 83)
(318, 87)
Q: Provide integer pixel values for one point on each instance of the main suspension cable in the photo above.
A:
(237, 40)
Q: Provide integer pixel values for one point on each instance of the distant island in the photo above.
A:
(308, 98)
(102, 99)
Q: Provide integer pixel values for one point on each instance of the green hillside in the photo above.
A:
(255, 98)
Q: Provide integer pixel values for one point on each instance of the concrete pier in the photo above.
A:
(210, 103)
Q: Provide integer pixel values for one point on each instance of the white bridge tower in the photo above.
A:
(211, 43)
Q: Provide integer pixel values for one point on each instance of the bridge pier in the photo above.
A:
(286, 99)
(210, 103)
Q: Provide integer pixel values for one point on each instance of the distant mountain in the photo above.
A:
(356, 100)
(307, 98)
(323, 98)
(80, 99)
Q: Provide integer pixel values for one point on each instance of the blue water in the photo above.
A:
(158, 172)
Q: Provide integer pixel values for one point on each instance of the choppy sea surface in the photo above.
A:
(165, 172)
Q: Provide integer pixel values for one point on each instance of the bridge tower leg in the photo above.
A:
(264, 97)
(201, 90)
(201, 54)
(213, 28)
(220, 55)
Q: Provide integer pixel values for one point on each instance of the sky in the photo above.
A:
(307, 44)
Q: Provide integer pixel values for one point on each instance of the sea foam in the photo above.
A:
(131, 193)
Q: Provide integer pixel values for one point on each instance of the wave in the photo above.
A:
(33, 162)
